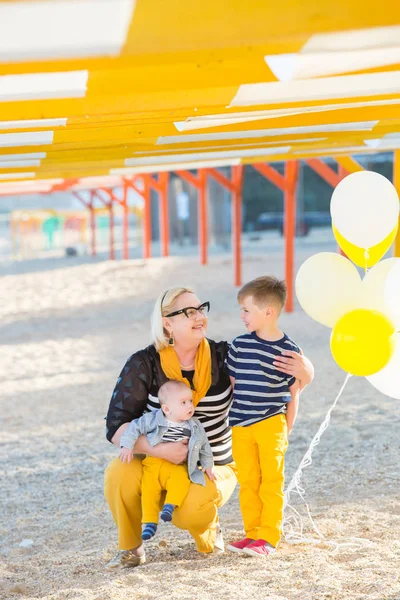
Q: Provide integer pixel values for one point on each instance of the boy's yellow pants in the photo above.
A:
(162, 476)
(259, 453)
(198, 512)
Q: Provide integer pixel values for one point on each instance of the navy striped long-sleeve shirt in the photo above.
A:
(261, 390)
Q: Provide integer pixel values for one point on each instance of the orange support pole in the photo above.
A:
(342, 173)
(190, 178)
(396, 183)
(237, 222)
(287, 184)
(125, 217)
(125, 223)
(146, 217)
(110, 207)
(200, 183)
(291, 174)
(328, 175)
(159, 185)
(222, 180)
(203, 216)
(131, 183)
(163, 180)
(271, 174)
(235, 187)
(65, 185)
(92, 224)
(111, 228)
(325, 171)
(90, 206)
(93, 229)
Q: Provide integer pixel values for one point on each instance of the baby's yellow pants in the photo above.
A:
(162, 476)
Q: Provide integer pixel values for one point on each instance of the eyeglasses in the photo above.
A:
(191, 311)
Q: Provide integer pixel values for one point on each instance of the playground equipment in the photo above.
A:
(48, 232)
(34, 232)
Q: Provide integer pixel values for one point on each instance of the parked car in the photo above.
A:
(271, 220)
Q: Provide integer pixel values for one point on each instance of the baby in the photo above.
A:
(173, 422)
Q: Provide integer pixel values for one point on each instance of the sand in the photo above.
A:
(65, 334)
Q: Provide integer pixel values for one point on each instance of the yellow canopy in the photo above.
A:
(93, 88)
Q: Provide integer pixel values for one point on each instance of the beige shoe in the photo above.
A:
(219, 546)
(126, 558)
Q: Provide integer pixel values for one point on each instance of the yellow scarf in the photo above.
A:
(202, 374)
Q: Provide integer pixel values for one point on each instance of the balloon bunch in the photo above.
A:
(364, 314)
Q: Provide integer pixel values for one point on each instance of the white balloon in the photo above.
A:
(381, 289)
(327, 286)
(365, 208)
(392, 292)
(387, 380)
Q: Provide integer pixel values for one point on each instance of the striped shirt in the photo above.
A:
(136, 392)
(176, 432)
(261, 390)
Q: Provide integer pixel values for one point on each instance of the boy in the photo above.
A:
(264, 408)
(173, 422)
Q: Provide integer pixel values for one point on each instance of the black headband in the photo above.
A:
(162, 299)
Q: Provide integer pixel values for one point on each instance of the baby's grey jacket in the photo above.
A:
(154, 424)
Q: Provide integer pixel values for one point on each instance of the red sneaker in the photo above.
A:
(259, 548)
(240, 545)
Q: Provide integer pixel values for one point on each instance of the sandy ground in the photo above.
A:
(65, 334)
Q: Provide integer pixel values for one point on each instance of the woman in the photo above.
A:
(180, 350)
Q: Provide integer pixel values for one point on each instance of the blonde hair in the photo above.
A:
(163, 306)
(264, 290)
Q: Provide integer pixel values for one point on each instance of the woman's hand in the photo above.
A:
(296, 365)
(174, 452)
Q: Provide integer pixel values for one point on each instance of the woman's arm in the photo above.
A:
(293, 405)
(130, 395)
(297, 365)
(175, 452)
(116, 439)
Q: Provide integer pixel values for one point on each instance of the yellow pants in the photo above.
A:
(198, 513)
(162, 476)
(259, 453)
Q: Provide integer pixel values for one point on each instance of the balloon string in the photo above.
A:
(366, 256)
(292, 522)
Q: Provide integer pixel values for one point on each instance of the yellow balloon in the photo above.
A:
(357, 255)
(363, 341)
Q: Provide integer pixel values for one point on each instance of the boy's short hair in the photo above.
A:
(169, 388)
(265, 290)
